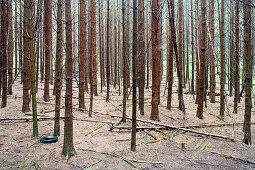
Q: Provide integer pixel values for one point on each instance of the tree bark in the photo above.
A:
(155, 34)
(134, 66)
(201, 79)
(68, 147)
(141, 56)
(212, 66)
(248, 70)
(4, 55)
(108, 52)
(10, 49)
(26, 62)
(58, 67)
(192, 53)
(237, 49)
(82, 52)
(222, 59)
(180, 47)
(48, 39)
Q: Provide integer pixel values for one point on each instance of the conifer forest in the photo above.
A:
(127, 84)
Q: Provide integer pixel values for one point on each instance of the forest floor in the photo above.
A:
(98, 148)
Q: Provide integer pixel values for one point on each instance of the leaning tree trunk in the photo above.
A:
(10, 50)
(201, 79)
(48, 39)
(237, 49)
(4, 56)
(82, 53)
(155, 34)
(68, 147)
(222, 60)
(134, 65)
(58, 68)
(248, 70)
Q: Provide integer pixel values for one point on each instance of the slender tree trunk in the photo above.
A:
(48, 39)
(108, 52)
(155, 34)
(141, 56)
(20, 42)
(26, 63)
(197, 49)
(58, 67)
(180, 47)
(173, 32)
(32, 58)
(10, 49)
(213, 82)
(147, 44)
(68, 147)
(237, 49)
(102, 47)
(134, 66)
(82, 53)
(16, 38)
(124, 60)
(201, 79)
(93, 62)
(128, 41)
(248, 70)
(187, 49)
(115, 49)
(170, 64)
(192, 53)
(4, 55)
(222, 58)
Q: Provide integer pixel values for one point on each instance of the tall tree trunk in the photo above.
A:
(82, 52)
(4, 56)
(115, 49)
(21, 13)
(108, 52)
(134, 66)
(192, 53)
(147, 47)
(48, 39)
(248, 70)
(10, 49)
(58, 67)
(93, 62)
(237, 49)
(26, 63)
(180, 47)
(222, 59)
(68, 147)
(173, 32)
(187, 49)
(125, 60)
(128, 41)
(141, 56)
(94, 45)
(197, 48)
(155, 34)
(16, 37)
(201, 79)
(170, 64)
(32, 58)
(212, 66)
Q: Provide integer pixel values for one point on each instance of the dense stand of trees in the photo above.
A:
(201, 39)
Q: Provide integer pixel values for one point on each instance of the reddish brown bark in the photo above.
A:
(10, 50)
(212, 66)
(201, 79)
(48, 39)
(82, 53)
(108, 52)
(180, 46)
(68, 148)
(141, 54)
(155, 34)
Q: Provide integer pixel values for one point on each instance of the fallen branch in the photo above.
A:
(177, 128)
(233, 157)
(90, 165)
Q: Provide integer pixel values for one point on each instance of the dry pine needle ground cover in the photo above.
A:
(99, 148)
